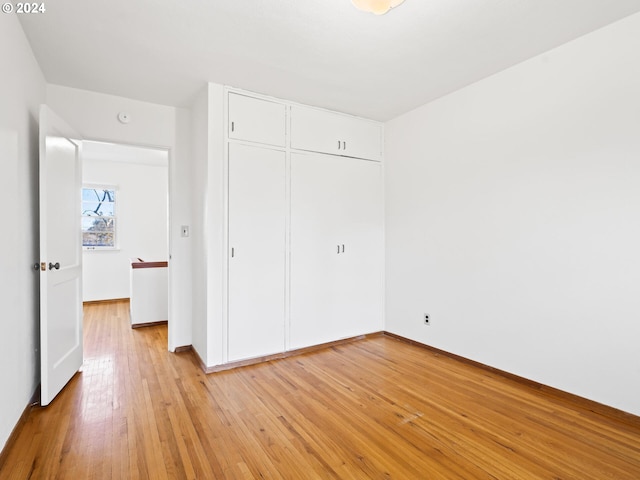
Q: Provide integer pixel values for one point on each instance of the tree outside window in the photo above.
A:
(98, 218)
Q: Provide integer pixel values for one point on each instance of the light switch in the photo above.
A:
(185, 230)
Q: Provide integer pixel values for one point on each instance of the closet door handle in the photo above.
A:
(233, 126)
(339, 145)
(344, 145)
(338, 249)
(343, 248)
(233, 252)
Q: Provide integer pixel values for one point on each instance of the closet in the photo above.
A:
(305, 226)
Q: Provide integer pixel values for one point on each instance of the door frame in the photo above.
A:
(171, 327)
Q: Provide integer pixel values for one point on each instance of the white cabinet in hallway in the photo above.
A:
(257, 222)
(336, 248)
(322, 131)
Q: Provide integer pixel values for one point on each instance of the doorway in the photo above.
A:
(125, 217)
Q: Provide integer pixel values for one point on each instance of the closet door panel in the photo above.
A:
(361, 273)
(257, 216)
(336, 248)
(256, 120)
(315, 212)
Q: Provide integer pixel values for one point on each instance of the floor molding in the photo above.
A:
(184, 348)
(278, 356)
(104, 302)
(150, 324)
(13, 437)
(591, 405)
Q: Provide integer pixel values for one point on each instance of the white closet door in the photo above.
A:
(335, 293)
(361, 272)
(315, 208)
(257, 213)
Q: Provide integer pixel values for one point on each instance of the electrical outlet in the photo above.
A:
(427, 319)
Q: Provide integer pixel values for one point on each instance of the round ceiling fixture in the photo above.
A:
(377, 7)
(124, 117)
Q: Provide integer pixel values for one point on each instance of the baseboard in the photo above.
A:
(149, 324)
(103, 302)
(13, 437)
(203, 366)
(278, 356)
(591, 405)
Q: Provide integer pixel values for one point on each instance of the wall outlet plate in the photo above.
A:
(427, 319)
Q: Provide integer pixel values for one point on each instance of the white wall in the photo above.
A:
(216, 236)
(94, 115)
(209, 207)
(199, 149)
(22, 90)
(141, 202)
(513, 218)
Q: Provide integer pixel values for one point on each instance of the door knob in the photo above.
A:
(54, 266)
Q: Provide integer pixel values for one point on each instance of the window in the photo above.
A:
(98, 218)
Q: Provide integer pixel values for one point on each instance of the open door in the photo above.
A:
(60, 254)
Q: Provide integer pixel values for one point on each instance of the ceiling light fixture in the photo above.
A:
(377, 7)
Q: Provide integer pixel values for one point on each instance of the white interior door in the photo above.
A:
(257, 216)
(60, 254)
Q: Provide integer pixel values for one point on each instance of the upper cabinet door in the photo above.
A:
(337, 134)
(257, 120)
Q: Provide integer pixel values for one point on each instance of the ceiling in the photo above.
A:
(318, 52)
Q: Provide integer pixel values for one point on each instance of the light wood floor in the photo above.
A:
(376, 408)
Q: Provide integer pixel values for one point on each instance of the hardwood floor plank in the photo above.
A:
(368, 409)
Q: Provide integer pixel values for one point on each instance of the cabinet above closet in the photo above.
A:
(322, 131)
(264, 121)
(255, 120)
